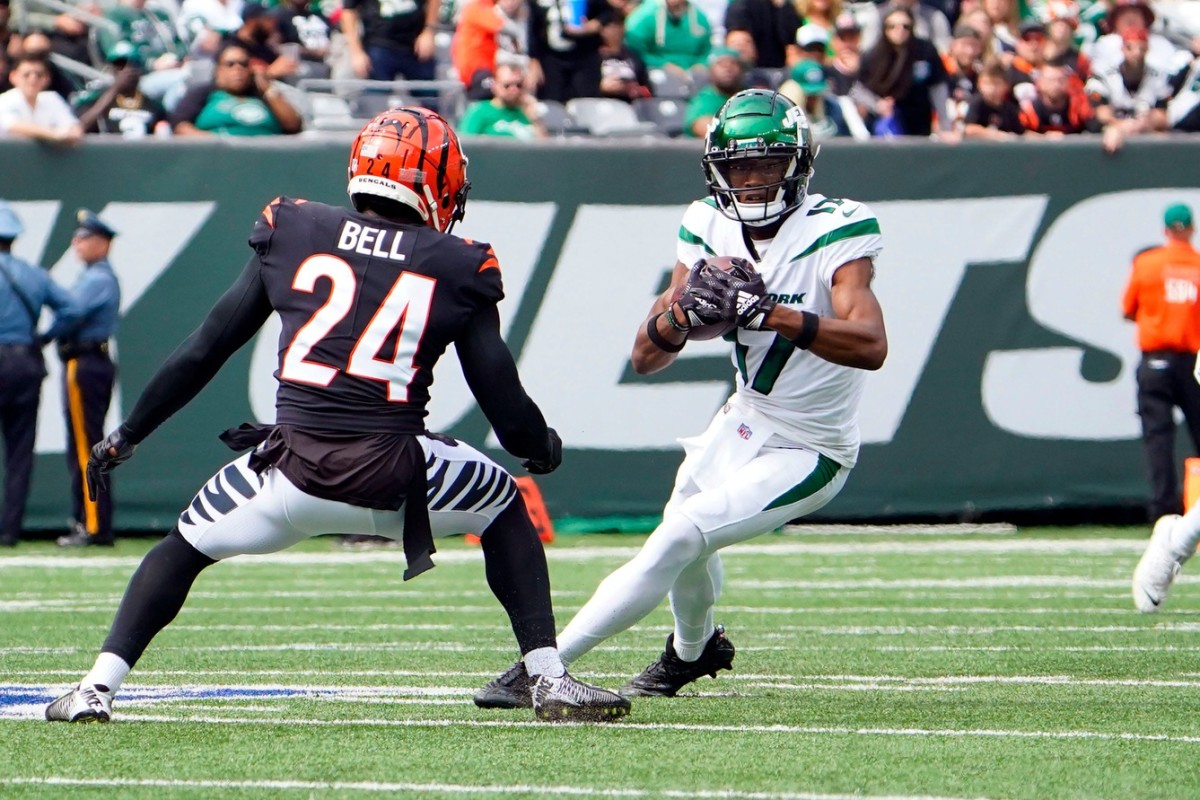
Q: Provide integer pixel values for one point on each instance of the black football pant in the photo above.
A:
(1165, 382)
(87, 393)
(21, 373)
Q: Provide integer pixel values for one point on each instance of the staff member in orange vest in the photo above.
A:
(1163, 298)
(88, 376)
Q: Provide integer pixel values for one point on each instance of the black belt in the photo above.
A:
(70, 350)
(23, 349)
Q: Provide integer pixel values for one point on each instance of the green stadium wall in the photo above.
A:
(1009, 385)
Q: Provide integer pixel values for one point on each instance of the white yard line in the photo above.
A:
(812, 730)
(448, 788)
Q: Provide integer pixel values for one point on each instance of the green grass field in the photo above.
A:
(870, 664)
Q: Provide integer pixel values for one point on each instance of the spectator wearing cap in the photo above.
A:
(486, 29)
(259, 37)
(1130, 98)
(1129, 15)
(813, 41)
(1163, 299)
(726, 77)
(24, 289)
(963, 61)
(88, 375)
(1027, 57)
(30, 110)
(806, 87)
(669, 34)
(842, 70)
(121, 107)
(238, 102)
(991, 113)
(904, 79)
(766, 29)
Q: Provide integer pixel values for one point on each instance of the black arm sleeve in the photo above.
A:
(235, 318)
(492, 376)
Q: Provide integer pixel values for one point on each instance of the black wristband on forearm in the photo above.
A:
(658, 340)
(808, 330)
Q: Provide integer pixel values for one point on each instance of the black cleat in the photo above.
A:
(670, 673)
(510, 690)
(567, 700)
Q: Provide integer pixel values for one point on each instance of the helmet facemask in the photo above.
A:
(762, 139)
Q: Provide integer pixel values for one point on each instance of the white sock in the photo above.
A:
(109, 670)
(1185, 534)
(692, 599)
(544, 661)
(634, 589)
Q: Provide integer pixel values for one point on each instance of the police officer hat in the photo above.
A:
(10, 223)
(91, 225)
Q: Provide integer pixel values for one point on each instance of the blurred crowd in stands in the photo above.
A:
(946, 69)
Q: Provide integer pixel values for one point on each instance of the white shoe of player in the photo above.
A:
(1159, 565)
(82, 704)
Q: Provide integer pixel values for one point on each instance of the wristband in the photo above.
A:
(808, 330)
(658, 340)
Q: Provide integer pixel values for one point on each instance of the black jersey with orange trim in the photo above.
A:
(368, 307)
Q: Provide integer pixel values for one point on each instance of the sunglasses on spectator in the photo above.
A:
(511, 85)
(903, 26)
(235, 63)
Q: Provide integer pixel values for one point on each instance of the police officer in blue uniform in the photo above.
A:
(24, 289)
(88, 376)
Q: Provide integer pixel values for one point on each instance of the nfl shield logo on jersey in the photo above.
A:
(744, 431)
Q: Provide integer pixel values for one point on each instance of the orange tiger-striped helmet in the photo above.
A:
(412, 156)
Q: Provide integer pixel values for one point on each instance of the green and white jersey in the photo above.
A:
(810, 401)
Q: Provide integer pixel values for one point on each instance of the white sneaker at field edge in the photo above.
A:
(82, 704)
(1157, 569)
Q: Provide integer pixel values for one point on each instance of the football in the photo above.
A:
(739, 268)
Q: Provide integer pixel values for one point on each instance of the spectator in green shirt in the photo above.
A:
(669, 34)
(726, 76)
(149, 30)
(511, 112)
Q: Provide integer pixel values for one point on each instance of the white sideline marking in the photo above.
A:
(1108, 546)
(815, 730)
(451, 788)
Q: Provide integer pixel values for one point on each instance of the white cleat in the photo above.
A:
(82, 704)
(1159, 565)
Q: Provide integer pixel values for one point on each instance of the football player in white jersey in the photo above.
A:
(808, 326)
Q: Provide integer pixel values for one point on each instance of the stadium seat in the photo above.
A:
(558, 120)
(667, 83)
(604, 116)
(665, 113)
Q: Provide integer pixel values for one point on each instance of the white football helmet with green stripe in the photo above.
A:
(759, 124)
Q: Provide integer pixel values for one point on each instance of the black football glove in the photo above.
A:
(701, 301)
(748, 302)
(106, 456)
(535, 467)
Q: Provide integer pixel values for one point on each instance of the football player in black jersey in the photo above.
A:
(370, 298)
